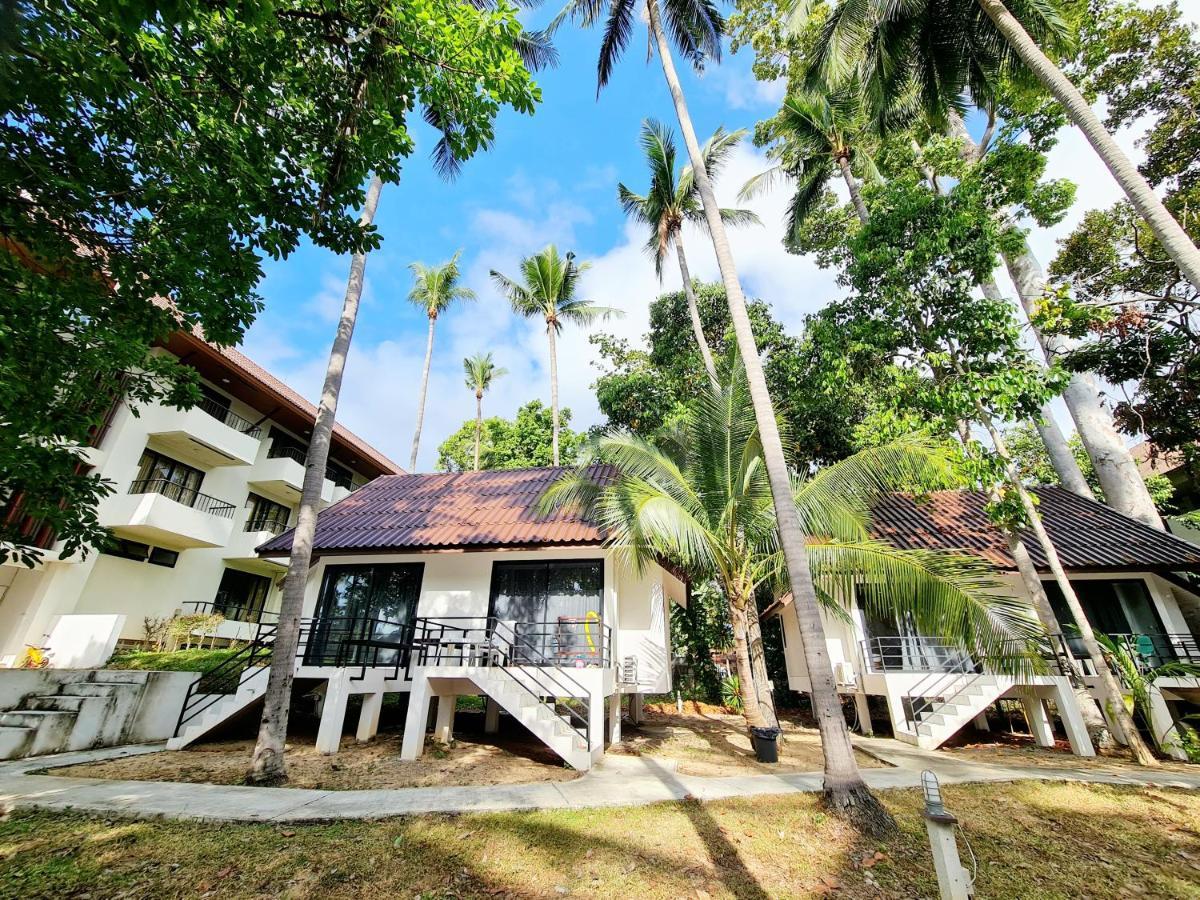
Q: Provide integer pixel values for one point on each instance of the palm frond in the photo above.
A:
(764, 181)
(617, 31)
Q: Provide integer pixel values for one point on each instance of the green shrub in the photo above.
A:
(731, 693)
(194, 660)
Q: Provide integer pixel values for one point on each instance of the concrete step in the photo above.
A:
(52, 728)
(92, 689)
(32, 718)
(118, 676)
(15, 741)
(55, 702)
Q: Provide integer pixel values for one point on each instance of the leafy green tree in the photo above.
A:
(547, 291)
(708, 509)
(434, 289)
(117, 117)
(1138, 316)
(480, 372)
(521, 443)
(671, 202)
(938, 51)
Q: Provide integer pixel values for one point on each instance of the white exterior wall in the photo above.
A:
(458, 584)
(31, 601)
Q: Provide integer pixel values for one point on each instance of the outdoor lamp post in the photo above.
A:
(954, 882)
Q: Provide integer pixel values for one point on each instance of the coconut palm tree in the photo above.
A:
(434, 289)
(480, 370)
(706, 506)
(951, 46)
(815, 128)
(672, 201)
(547, 290)
(695, 30)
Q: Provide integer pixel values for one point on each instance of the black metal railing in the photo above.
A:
(274, 526)
(185, 495)
(232, 610)
(911, 654)
(364, 642)
(287, 451)
(230, 418)
(223, 679)
(1150, 651)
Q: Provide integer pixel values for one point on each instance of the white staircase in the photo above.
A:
(213, 709)
(957, 703)
(89, 709)
(519, 696)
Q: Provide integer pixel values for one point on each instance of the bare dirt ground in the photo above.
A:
(356, 766)
(706, 740)
(1020, 750)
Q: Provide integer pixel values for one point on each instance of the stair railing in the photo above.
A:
(224, 678)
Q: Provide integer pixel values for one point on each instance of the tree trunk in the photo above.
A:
(1061, 458)
(1122, 483)
(1170, 235)
(1114, 699)
(551, 331)
(694, 314)
(267, 766)
(412, 460)
(478, 424)
(1097, 728)
(758, 666)
(855, 191)
(844, 789)
(751, 709)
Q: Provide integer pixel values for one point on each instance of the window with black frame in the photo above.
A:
(266, 515)
(364, 614)
(554, 608)
(160, 474)
(242, 596)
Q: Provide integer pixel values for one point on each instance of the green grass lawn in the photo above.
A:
(1032, 839)
(170, 661)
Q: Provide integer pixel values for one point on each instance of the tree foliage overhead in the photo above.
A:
(1140, 318)
(163, 151)
(520, 443)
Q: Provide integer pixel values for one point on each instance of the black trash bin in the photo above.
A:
(766, 744)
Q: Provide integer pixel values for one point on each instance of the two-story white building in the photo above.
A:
(452, 584)
(195, 492)
(1124, 573)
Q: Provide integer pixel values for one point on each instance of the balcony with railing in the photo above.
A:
(893, 654)
(244, 542)
(167, 514)
(206, 435)
(280, 475)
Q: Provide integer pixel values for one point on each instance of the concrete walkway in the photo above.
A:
(617, 781)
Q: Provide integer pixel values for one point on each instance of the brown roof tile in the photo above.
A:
(475, 510)
(1088, 536)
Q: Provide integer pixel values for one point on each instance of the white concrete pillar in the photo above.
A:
(1162, 723)
(895, 705)
(443, 728)
(413, 743)
(614, 718)
(368, 717)
(596, 711)
(635, 709)
(1067, 704)
(491, 717)
(1039, 722)
(981, 722)
(333, 713)
(864, 714)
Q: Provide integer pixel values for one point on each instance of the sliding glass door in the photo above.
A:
(555, 609)
(364, 614)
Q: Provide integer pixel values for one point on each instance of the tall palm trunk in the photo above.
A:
(854, 187)
(747, 686)
(1111, 689)
(844, 789)
(267, 766)
(1173, 238)
(551, 330)
(694, 314)
(758, 666)
(1122, 483)
(478, 424)
(412, 460)
(1124, 489)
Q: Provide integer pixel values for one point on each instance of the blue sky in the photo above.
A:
(550, 177)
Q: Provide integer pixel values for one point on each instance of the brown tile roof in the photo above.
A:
(464, 510)
(1087, 535)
